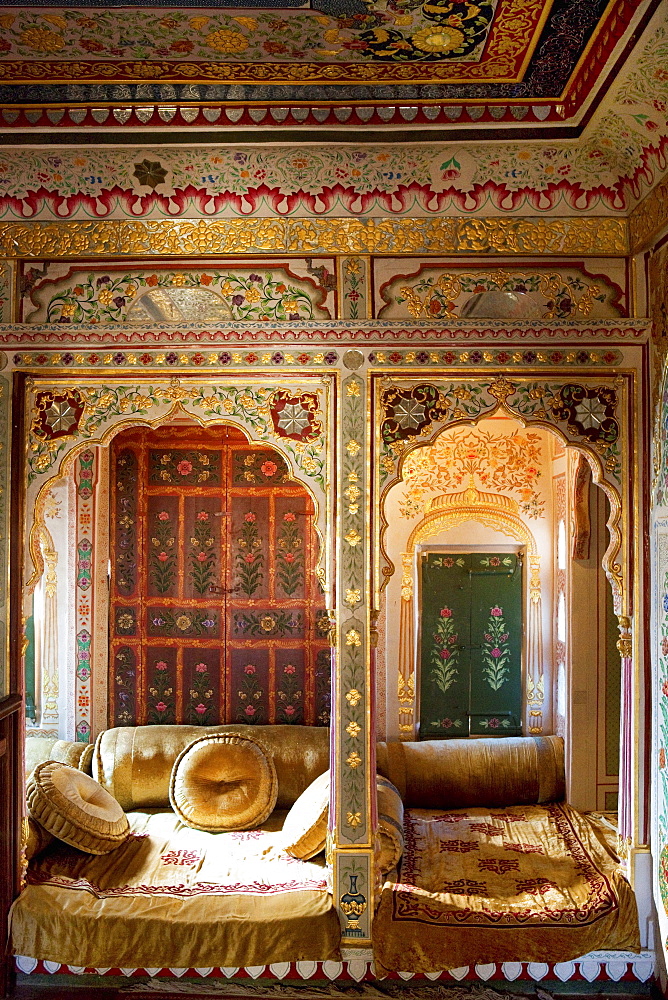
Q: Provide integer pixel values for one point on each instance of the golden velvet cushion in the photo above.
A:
(36, 838)
(457, 773)
(75, 808)
(223, 781)
(390, 833)
(305, 826)
(134, 763)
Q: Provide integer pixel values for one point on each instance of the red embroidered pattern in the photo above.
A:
(498, 865)
(413, 903)
(181, 891)
(181, 857)
(458, 846)
(487, 828)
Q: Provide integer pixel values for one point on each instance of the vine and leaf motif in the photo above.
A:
(269, 623)
(323, 686)
(126, 522)
(84, 564)
(266, 412)
(445, 652)
(168, 621)
(161, 701)
(259, 468)
(290, 555)
(504, 462)
(589, 411)
(200, 709)
(249, 560)
(250, 708)
(496, 651)
(185, 467)
(456, 30)
(565, 296)
(202, 554)
(125, 674)
(290, 695)
(236, 296)
(162, 558)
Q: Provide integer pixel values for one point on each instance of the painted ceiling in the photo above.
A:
(407, 62)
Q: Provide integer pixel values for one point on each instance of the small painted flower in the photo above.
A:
(496, 612)
(664, 646)
(446, 613)
(290, 516)
(162, 556)
(183, 622)
(664, 688)
(163, 516)
(289, 557)
(289, 669)
(249, 668)
(202, 556)
(201, 668)
(249, 557)
(496, 652)
(208, 623)
(202, 516)
(200, 709)
(250, 517)
(494, 723)
(160, 707)
(289, 709)
(495, 561)
(269, 469)
(662, 757)
(184, 468)
(249, 710)
(445, 654)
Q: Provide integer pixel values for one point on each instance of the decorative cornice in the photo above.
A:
(121, 238)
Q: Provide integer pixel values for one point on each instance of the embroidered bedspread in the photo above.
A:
(176, 897)
(525, 883)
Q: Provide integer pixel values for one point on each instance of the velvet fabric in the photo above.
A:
(135, 764)
(75, 808)
(223, 782)
(390, 834)
(520, 884)
(305, 827)
(180, 898)
(454, 773)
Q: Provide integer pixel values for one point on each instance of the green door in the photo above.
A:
(471, 645)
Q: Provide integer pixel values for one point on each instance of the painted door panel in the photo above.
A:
(470, 644)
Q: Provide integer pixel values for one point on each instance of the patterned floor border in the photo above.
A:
(612, 966)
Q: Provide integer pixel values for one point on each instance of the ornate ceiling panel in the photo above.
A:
(337, 64)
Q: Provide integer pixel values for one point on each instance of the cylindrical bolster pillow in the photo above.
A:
(134, 763)
(37, 838)
(456, 773)
(390, 835)
(223, 782)
(75, 808)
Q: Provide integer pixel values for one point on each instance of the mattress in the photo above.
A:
(175, 897)
(526, 883)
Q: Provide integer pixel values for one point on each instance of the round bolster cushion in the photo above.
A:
(75, 808)
(223, 782)
(458, 773)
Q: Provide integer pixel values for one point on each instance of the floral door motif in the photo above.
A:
(216, 613)
(471, 645)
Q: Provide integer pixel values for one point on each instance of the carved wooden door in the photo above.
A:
(471, 644)
(216, 613)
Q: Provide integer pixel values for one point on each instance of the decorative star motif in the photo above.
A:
(590, 413)
(293, 419)
(409, 414)
(60, 417)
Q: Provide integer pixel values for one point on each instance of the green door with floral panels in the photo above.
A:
(470, 644)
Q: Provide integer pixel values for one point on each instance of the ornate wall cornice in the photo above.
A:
(649, 218)
(120, 238)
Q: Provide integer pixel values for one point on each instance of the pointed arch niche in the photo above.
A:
(537, 489)
(76, 528)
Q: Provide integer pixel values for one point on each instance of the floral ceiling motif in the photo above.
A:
(510, 463)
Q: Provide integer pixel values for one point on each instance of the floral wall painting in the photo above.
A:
(56, 293)
(441, 291)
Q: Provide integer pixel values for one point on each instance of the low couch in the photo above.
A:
(497, 867)
(175, 897)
